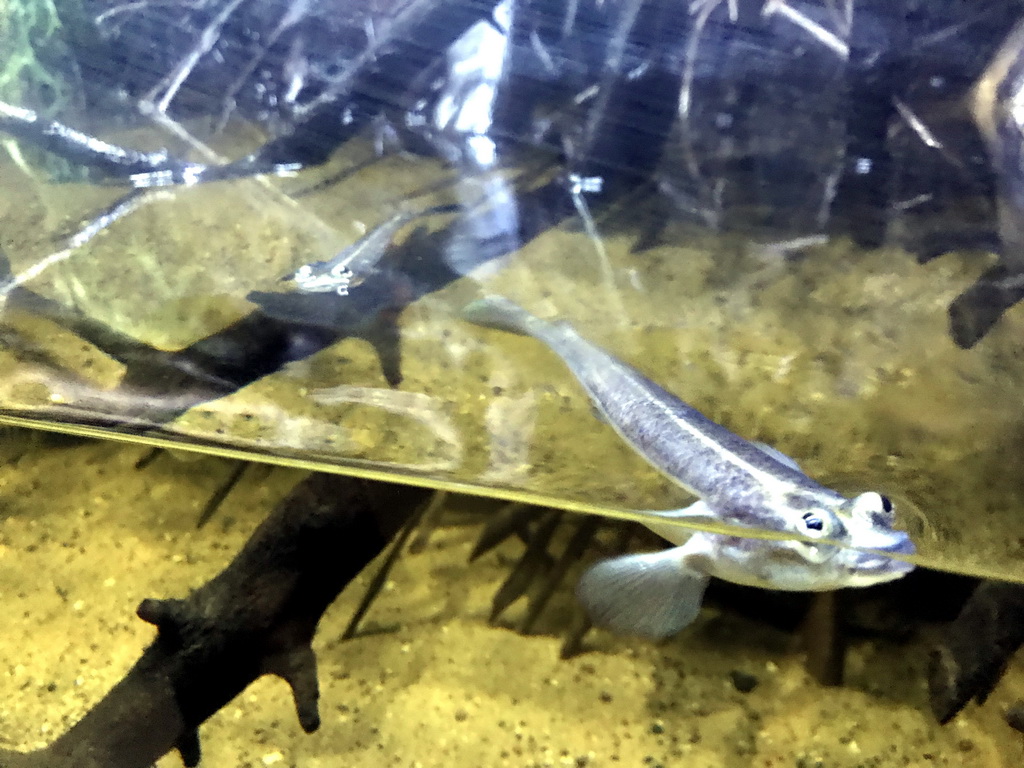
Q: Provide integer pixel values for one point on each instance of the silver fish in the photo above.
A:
(738, 482)
(354, 264)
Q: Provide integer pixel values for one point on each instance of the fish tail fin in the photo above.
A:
(653, 594)
(503, 314)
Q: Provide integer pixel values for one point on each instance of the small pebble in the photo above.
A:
(1015, 716)
(744, 682)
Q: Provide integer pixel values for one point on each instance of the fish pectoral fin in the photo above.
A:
(696, 514)
(778, 455)
(652, 594)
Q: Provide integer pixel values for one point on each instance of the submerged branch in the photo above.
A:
(257, 617)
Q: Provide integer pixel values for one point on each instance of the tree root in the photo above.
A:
(257, 617)
(970, 659)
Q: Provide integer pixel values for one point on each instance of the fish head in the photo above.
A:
(873, 545)
(844, 543)
(319, 277)
(795, 566)
(838, 542)
(303, 273)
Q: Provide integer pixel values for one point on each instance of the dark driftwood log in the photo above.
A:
(968, 661)
(256, 617)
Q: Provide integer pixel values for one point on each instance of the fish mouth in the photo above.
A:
(902, 545)
(882, 559)
(878, 565)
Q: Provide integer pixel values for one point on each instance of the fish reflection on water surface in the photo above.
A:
(350, 268)
(842, 542)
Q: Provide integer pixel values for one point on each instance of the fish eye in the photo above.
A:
(813, 522)
(874, 507)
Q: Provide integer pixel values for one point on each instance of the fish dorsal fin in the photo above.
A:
(776, 454)
(653, 594)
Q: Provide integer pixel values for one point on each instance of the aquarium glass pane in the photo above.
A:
(253, 228)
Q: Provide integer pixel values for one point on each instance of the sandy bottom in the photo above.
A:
(84, 536)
